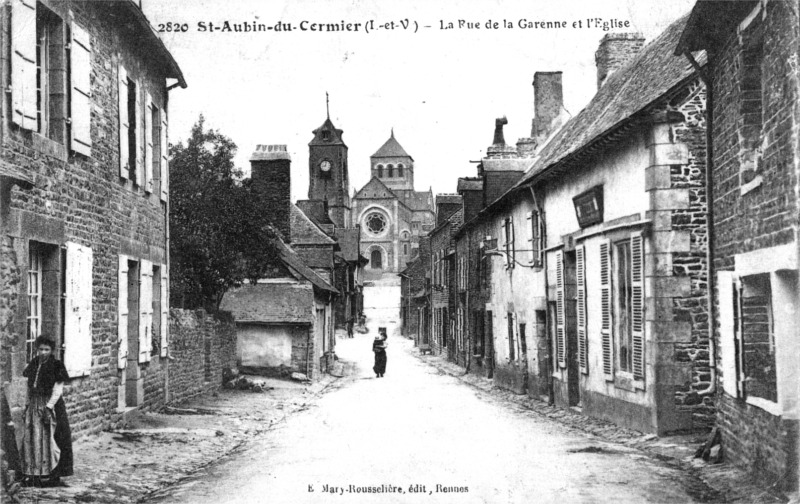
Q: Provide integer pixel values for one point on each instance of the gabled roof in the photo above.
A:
(335, 137)
(300, 269)
(391, 148)
(271, 303)
(416, 200)
(375, 188)
(644, 80)
(304, 231)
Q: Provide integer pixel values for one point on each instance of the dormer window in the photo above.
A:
(326, 135)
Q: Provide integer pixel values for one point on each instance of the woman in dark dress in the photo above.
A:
(47, 441)
(379, 347)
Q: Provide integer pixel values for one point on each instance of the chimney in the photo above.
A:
(272, 181)
(471, 191)
(548, 102)
(447, 205)
(499, 149)
(615, 50)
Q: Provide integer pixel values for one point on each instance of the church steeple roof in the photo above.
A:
(327, 134)
(391, 148)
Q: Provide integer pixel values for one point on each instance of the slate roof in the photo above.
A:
(301, 270)
(304, 231)
(644, 80)
(712, 21)
(416, 200)
(348, 241)
(271, 303)
(375, 188)
(391, 148)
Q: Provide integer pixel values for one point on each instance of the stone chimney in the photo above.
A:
(499, 149)
(447, 205)
(615, 50)
(272, 180)
(548, 102)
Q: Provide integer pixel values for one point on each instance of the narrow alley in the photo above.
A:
(395, 435)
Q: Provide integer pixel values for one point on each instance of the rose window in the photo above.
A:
(376, 223)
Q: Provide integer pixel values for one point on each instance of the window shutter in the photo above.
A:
(530, 220)
(512, 260)
(122, 312)
(605, 306)
(80, 101)
(124, 169)
(164, 310)
(148, 144)
(164, 154)
(506, 238)
(728, 307)
(738, 338)
(637, 304)
(145, 310)
(580, 276)
(561, 338)
(23, 64)
(137, 128)
(78, 311)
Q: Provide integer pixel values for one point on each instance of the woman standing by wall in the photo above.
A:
(379, 347)
(47, 441)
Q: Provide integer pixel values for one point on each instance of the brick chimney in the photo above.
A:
(272, 180)
(615, 50)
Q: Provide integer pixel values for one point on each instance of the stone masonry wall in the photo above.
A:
(766, 216)
(84, 200)
(201, 347)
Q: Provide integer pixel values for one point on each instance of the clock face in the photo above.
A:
(325, 166)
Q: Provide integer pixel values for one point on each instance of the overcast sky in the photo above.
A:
(439, 89)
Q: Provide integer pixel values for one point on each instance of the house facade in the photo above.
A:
(752, 71)
(88, 126)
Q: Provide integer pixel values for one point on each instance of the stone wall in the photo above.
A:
(201, 347)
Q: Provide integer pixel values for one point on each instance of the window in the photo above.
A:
(405, 248)
(326, 135)
(508, 238)
(622, 306)
(380, 171)
(376, 259)
(45, 288)
(155, 344)
(35, 273)
(751, 103)
(391, 170)
(50, 76)
(376, 223)
(131, 99)
(535, 241)
(511, 344)
(758, 337)
(400, 170)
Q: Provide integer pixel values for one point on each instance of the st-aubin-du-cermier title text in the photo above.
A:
(398, 25)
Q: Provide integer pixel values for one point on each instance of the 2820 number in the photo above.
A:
(173, 27)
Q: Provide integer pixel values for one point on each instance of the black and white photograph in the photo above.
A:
(420, 252)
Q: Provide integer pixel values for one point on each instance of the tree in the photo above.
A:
(219, 237)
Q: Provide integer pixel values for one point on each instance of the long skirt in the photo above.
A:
(380, 363)
(47, 441)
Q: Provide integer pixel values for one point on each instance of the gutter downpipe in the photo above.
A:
(712, 346)
(550, 384)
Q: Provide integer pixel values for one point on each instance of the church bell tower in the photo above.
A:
(327, 167)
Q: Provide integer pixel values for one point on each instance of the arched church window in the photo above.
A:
(380, 171)
(376, 223)
(376, 259)
(400, 170)
(391, 171)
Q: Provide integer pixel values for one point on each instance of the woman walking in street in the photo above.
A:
(379, 347)
(47, 441)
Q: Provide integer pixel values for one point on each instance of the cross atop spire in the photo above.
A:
(327, 105)
(392, 131)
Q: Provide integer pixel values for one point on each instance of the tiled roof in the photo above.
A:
(304, 231)
(646, 78)
(272, 302)
(291, 260)
(391, 148)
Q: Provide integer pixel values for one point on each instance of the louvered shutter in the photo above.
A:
(164, 310)
(513, 260)
(145, 310)
(738, 338)
(532, 240)
(78, 311)
(728, 321)
(561, 338)
(148, 143)
(23, 64)
(124, 154)
(137, 126)
(580, 276)
(122, 312)
(164, 155)
(605, 310)
(637, 304)
(80, 100)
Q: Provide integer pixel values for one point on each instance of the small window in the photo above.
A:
(400, 170)
(50, 75)
(758, 338)
(391, 170)
(326, 135)
(157, 154)
(380, 171)
(405, 249)
(511, 344)
(132, 130)
(376, 259)
(44, 294)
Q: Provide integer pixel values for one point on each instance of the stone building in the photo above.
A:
(754, 159)
(88, 126)
(445, 332)
(392, 215)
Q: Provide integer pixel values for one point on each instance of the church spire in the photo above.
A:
(327, 105)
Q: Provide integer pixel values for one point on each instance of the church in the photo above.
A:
(392, 215)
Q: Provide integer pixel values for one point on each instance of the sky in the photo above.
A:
(439, 88)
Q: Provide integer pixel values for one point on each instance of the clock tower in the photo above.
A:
(327, 168)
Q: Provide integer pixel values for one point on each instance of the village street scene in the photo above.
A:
(351, 252)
